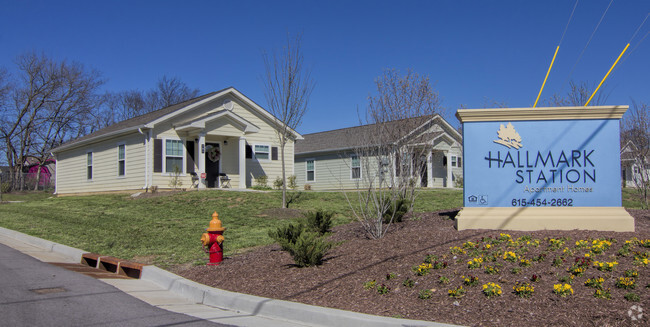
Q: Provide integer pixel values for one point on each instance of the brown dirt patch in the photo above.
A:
(338, 283)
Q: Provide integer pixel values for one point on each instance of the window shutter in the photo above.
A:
(274, 153)
(189, 164)
(249, 152)
(157, 156)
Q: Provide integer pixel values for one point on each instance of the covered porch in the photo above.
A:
(435, 163)
(217, 149)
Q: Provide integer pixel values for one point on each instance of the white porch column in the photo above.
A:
(242, 162)
(430, 168)
(393, 169)
(450, 183)
(201, 159)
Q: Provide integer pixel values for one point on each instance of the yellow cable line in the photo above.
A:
(547, 73)
(604, 78)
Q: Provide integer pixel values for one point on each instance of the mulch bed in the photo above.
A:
(339, 282)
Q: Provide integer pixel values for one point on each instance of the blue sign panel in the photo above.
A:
(559, 163)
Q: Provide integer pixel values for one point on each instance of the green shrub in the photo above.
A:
(425, 294)
(396, 211)
(277, 184)
(260, 181)
(5, 187)
(309, 249)
(632, 297)
(287, 235)
(291, 182)
(458, 182)
(320, 221)
(306, 247)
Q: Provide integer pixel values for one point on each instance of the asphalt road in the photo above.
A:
(34, 293)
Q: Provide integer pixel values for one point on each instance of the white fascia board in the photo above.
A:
(459, 137)
(246, 126)
(99, 137)
(233, 91)
(189, 107)
(440, 121)
(265, 113)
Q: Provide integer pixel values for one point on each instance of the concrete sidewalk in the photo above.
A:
(171, 292)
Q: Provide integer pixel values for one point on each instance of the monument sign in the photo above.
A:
(543, 168)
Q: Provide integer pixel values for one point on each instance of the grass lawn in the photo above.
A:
(165, 230)
(631, 199)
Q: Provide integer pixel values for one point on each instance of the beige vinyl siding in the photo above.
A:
(71, 166)
(267, 135)
(164, 131)
(225, 128)
(333, 171)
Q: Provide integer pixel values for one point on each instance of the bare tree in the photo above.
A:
(577, 96)
(123, 105)
(636, 130)
(169, 91)
(288, 86)
(393, 148)
(48, 103)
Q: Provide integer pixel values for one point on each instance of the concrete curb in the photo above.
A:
(50, 246)
(276, 309)
(243, 303)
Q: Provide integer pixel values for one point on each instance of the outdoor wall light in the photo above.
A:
(225, 142)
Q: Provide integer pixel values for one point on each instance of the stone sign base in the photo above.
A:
(534, 218)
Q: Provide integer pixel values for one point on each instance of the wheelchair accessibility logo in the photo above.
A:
(635, 312)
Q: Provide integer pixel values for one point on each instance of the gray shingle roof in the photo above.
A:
(348, 138)
(137, 121)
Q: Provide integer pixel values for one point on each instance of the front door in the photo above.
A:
(212, 158)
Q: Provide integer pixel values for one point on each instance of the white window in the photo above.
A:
(453, 161)
(310, 170)
(262, 152)
(355, 165)
(121, 160)
(173, 156)
(89, 165)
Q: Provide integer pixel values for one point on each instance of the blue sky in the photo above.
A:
(473, 51)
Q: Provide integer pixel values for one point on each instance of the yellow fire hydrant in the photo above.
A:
(213, 240)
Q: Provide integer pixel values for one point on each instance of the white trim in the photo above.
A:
(118, 160)
(241, 157)
(246, 126)
(360, 170)
(233, 91)
(92, 165)
(255, 152)
(307, 171)
(443, 125)
(56, 176)
(164, 155)
(109, 135)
